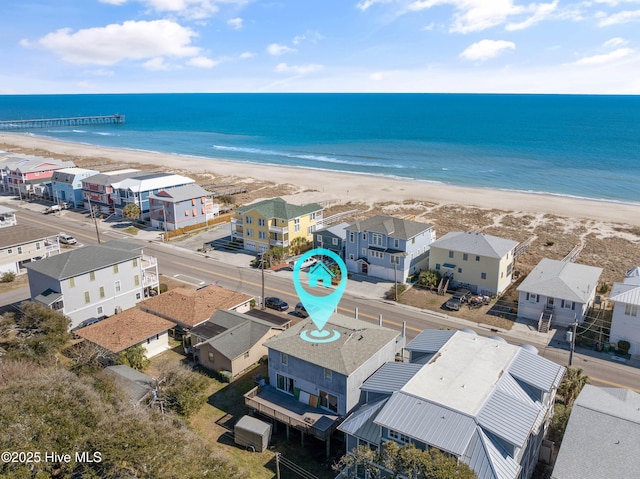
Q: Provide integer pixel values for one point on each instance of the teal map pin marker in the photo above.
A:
(319, 308)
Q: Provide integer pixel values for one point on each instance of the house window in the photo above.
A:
(631, 309)
(136, 280)
(437, 266)
(9, 251)
(248, 220)
(246, 355)
(364, 236)
(532, 298)
(284, 359)
(334, 241)
(377, 254)
(193, 201)
(459, 270)
(135, 262)
(284, 383)
(328, 401)
(115, 269)
(311, 229)
(394, 259)
(364, 251)
(87, 297)
(398, 437)
(99, 311)
(319, 239)
(138, 296)
(312, 216)
(296, 225)
(72, 282)
(465, 256)
(19, 249)
(510, 268)
(352, 237)
(477, 258)
(186, 212)
(262, 235)
(376, 239)
(567, 304)
(102, 295)
(194, 212)
(92, 275)
(211, 357)
(249, 231)
(38, 245)
(450, 254)
(483, 275)
(327, 374)
(396, 243)
(351, 256)
(261, 222)
(117, 286)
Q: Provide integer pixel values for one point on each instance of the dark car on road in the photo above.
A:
(461, 296)
(276, 303)
(301, 311)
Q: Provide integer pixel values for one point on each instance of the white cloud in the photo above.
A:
(235, 23)
(202, 62)
(620, 17)
(540, 12)
(193, 9)
(114, 43)
(605, 57)
(246, 55)
(615, 42)
(377, 76)
(366, 4)
(277, 49)
(156, 64)
(298, 69)
(486, 49)
(309, 36)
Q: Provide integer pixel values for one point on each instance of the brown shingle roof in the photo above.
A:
(190, 308)
(124, 330)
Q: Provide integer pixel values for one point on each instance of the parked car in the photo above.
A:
(301, 311)
(54, 208)
(305, 264)
(67, 239)
(458, 299)
(275, 303)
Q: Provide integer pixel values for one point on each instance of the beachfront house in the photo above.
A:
(139, 188)
(66, 185)
(22, 244)
(602, 435)
(130, 328)
(94, 281)
(388, 248)
(231, 341)
(268, 223)
(182, 206)
(7, 217)
(98, 190)
(557, 293)
(24, 174)
(314, 385)
(625, 323)
(483, 401)
(479, 262)
(333, 238)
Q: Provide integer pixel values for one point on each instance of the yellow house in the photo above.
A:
(477, 261)
(274, 222)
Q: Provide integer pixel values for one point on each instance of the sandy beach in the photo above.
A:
(349, 187)
(607, 232)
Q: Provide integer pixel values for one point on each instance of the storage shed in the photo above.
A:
(252, 433)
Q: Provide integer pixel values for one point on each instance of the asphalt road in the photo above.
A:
(198, 269)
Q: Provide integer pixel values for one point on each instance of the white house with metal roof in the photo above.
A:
(93, 281)
(602, 435)
(558, 291)
(480, 262)
(388, 248)
(625, 322)
(181, 206)
(482, 400)
(313, 385)
(137, 190)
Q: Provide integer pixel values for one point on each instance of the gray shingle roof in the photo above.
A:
(181, 193)
(86, 259)
(114, 177)
(358, 341)
(136, 385)
(279, 208)
(602, 435)
(475, 243)
(21, 234)
(390, 226)
(562, 279)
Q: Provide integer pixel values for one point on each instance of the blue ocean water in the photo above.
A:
(577, 145)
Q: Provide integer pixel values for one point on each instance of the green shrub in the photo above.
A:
(604, 289)
(7, 277)
(624, 346)
(163, 288)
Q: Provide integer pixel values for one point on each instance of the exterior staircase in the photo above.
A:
(544, 323)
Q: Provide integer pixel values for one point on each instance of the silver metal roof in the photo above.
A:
(390, 377)
(475, 243)
(361, 424)
(536, 371)
(627, 293)
(562, 279)
(488, 459)
(430, 340)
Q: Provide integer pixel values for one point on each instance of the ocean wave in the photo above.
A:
(319, 158)
(102, 133)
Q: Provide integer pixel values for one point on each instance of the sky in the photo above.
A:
(474, 46)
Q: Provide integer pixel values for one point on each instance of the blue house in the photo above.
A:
(66, 185)
(181, 206)
(388, 248)
(332, 238)
(313, 386)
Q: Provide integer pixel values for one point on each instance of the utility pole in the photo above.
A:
(95, 221)
(395, 276)
(262, 268)
(277, 465)
(573, 340)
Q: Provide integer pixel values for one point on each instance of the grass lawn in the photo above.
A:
(132, 230)
(225, 406)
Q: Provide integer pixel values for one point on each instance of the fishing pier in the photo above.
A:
(57, 122)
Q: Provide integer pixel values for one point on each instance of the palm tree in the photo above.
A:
(572, 383)
(131, 211)
(297, 245)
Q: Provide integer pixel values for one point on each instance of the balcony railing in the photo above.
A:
(236, 221)
(278, 229)
(282, 243)
(149, 261)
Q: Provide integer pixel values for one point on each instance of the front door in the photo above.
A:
(365, 268)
